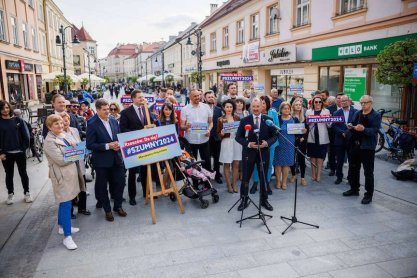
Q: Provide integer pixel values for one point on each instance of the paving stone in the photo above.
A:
(406, 267)
(280, 255)
(328, 234)
(364, 256)
(323, 248)
(223, 275)
(316, 265)
(230, 264)
(366, 271)
(245, 247)
(283, 270)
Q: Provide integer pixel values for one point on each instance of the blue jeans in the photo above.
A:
(64, 216)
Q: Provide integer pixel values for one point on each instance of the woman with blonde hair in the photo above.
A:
(115, 110)
(65, 176)
(300, 141)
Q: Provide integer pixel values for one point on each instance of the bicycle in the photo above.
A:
(37, 141)
(389, 138)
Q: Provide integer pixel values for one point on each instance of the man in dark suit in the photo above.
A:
(102, 133)
(250, 156)
(341, 136)
(134, 118)
(58, 102)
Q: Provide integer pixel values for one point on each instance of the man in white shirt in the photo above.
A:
(198, 114)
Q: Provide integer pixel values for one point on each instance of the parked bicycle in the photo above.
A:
(392, 138)
(37, 141)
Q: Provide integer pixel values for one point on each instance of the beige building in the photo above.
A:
(81, 51)
(20, 51)
(305, 45)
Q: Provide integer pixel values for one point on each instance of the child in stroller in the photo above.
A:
(200, 186)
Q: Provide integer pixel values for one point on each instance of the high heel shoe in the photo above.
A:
(229, 189)
(284, 186)
(235, 189)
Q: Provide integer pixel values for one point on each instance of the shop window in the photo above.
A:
(15, 31)
(385, 96)
(254, 19)
(330, 79)
(348, 6)
(240, 31)
(2, 27)
(273, 14)
(302, 13)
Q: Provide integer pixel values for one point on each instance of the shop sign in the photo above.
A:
(358, 49)
(223, 63)
(28, 67)
(235, 77)
(12, 65)
(251, 52)
(189, 69)
(354, 84)
(171, 65)
(281, 54)
(293, 71)
(38, 68)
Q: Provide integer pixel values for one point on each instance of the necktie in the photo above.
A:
(140, 115)
(257, 122)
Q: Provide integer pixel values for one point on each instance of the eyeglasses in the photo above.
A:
(113, 109)
(318, 102)
(365, 102)
(75, 106)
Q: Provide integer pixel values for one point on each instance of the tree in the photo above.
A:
(194, 77)
(106, 78)
(84, 82)
(59, 80)
(396, 63)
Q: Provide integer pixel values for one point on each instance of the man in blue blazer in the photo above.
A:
(341, 136)
(250, 156)
(107, 160)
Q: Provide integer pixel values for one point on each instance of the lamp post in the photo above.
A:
(60, 41)
(198, 54)
(163, 66)
(89, 67)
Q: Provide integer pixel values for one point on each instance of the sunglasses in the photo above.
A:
(113, 109)
(317, 102)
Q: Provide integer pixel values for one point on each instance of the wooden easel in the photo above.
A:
(150, 194)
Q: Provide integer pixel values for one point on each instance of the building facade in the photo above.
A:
(87, 47)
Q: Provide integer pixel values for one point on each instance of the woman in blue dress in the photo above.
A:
(284, 153)
(272, 113)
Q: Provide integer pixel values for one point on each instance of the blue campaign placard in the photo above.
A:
(324, 119)
(75, 153)
(230, 127)
(147, 146)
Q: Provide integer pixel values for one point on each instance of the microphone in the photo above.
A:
(271, 123)
(247, 128)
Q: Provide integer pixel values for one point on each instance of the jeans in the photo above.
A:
(366, 158)
(8, 164)
(204, 151)
(64, 216)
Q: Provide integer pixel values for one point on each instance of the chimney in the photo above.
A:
(213, 7)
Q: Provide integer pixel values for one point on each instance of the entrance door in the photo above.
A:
(14, 85)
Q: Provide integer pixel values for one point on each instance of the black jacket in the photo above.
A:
(14, 135)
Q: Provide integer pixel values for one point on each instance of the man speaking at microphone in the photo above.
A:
(248, 139)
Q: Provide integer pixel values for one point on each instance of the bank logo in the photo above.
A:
(350, 50)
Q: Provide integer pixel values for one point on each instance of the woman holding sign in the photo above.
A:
(300, 141)
(73, 133)
(231, 150)
(318, 138)
(63, 175)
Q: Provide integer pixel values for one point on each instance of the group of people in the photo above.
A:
(254, 153)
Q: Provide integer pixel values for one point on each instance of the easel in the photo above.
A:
(150, 194)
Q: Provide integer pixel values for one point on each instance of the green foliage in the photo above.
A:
(169, 78)
(59, 80)
(396, 63)
(84, 82)
(152, 79)
(194, 77)
(132, 79)
(106, 78)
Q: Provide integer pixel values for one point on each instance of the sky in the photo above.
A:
(133, 21)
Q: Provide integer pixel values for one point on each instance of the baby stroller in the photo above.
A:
(196, 179)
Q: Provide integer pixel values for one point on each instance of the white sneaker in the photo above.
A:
(73, 230)
(28, 199)
(10, 198)
(69, 243)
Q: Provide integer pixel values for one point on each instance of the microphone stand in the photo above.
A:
(293, 218)
(259, 215)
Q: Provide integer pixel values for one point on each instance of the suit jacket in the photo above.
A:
(129, 120)
(266, 133)
(217, 113)
(73, 123)
(332, 108)
(340, 129)
(97, 138)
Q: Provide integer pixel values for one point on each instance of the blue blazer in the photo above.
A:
(341, 129)
(97, 138)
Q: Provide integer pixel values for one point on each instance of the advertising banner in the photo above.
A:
(146, 146)
(354, 84)
(75, 153)
(251, 52)
(324, 119)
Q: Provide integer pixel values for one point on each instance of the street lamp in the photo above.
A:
(163, 66)
(62, 42)
(199, 55)
(89, 68)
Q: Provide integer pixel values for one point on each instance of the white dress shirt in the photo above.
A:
(108, 128)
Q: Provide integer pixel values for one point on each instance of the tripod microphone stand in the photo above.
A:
(293, 218)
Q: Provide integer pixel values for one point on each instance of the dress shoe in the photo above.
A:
(243, 204)
(267, 205)
(120, 212)
(366, 200)
(218, 180)
(332, 173)
(132, 202)
(84, 211)
(109, 216)
(254, 188)
(338, 181)
(350, 192)
(99, 205)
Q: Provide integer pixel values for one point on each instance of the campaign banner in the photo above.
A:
(312, 119)
(199, 128)
(295, 128)
(230, 127)
(147, 146)
(235, 78)
(75, 153)
(177, 107)
(259, 88)
(127, 100)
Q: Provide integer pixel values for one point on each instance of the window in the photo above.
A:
(385, 96)
(35, 39)
(15, 31)
(273, 19)
(25, 35)
(330, 79)
(77, 60)
(92, 50)
(50, 19)
(30, 3)
(226, 37)
(254, 19)
(303, 7)
(203, 44)
(40, 10)
(2, 27)
(348, 6)
(213, 41)
(43, 43)
(240, 31)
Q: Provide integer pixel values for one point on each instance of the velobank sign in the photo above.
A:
(358, 49)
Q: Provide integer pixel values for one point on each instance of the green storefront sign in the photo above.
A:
(357, 49)
(354, 84)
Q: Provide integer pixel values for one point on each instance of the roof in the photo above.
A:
(82, 34)
(124, 49)
(223, 10)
